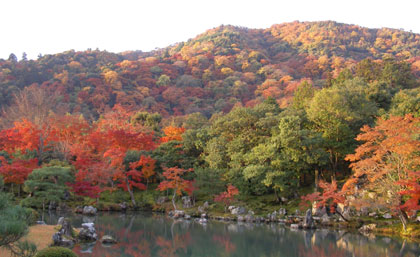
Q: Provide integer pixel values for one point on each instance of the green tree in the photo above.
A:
(303, 95)
(405, 102)
(14, 221)
(285, 158)
(47, 184)
(163, 80)
(338, 113)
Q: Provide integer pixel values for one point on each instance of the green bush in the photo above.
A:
(56, 252)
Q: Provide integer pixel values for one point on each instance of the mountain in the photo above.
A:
(212, 72)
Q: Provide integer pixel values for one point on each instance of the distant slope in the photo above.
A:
(214, 71)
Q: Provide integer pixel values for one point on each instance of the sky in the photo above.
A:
(53, 26)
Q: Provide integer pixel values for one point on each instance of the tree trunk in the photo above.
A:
(316, 180)
(43, 209)
(173, 200)
(403, 217)
(130, 192)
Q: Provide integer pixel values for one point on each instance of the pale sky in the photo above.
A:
(53, 26)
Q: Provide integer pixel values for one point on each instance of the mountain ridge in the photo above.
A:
(212, 72)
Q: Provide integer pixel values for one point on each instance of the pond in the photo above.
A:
(146, 234)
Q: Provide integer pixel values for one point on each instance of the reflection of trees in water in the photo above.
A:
(144, 235)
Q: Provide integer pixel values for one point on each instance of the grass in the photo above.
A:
(40, 235)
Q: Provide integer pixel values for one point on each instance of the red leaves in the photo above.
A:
(330, 195)
(18, 171)
(175, 181)
(389, 159)
(227, 196)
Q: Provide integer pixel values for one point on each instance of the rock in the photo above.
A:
(64, 237)
(325, 219)
(206, 205)
(66, 228)
(107, 239)
(89, 210)
(187, 202)
(87, 233)
(178, 214)
(346, 212)
(241, 218)
(282, 212)
(60, 240)
(187, 217)
(203, 219)
(372, 214)
(340, 207)
(41, 222)
(418, 219)
(60, 221)
(308, 223)
(123, 206)
(249, 218)
(238, 211)
(371, 195)
(367, 228)
(162, 200)
(295, 226)
(387, 216)
(231, 207)
(203, 208)
(297, 212)
(272, 216)
(284, 199)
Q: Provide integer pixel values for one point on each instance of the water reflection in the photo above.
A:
(146, 234)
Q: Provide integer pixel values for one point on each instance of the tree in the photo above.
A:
(47, 184)
(387, 162)
(172, 133)
(338, 113)
(173, 180)
(284, 158)
(14, 221)
(18, 171)
(330, 196)
(227, 197)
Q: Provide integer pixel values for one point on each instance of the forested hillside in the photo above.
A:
(270, 112)
(218, 69)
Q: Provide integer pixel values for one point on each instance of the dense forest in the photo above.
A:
(234, 112)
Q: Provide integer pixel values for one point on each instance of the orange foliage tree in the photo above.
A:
(227, 196)
(387, 163)
(172, 133)
(173, 180)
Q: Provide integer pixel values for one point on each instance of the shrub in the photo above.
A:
(56, 252)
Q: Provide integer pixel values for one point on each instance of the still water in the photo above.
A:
(146, 234)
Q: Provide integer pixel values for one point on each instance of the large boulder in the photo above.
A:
(387, 216)
(89, 210)
(282, 212)
(203, 208)
(238, 211)
(308, 223)
(107, 239)
(87, 233)
(64, 237)
(367, 228)
(187, 202)
(325, 219)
